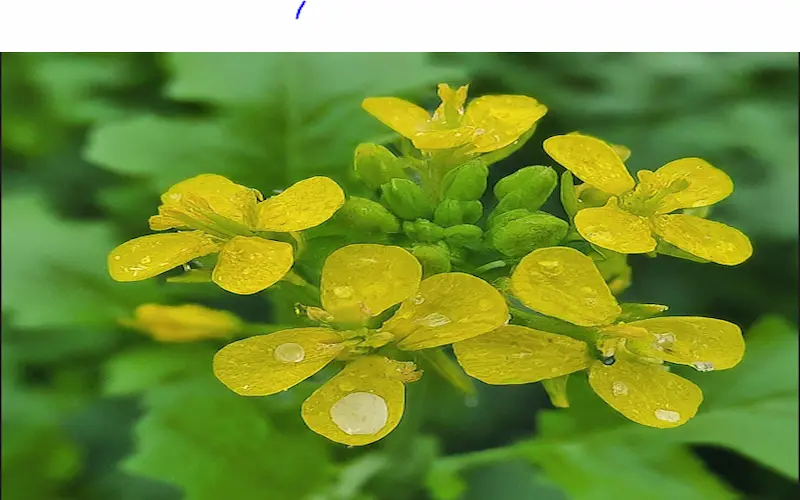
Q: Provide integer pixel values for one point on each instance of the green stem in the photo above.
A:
(483, 457)
(491, 265)
(301, 244)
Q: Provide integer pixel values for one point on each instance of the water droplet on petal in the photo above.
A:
(665, 338)
(360, 413)
(117, 257)
(619, 389)
(146, 260)
(290, 353)
(550, 267)
(703, 366)
(434, 319)
(417, 299)
(343, 292)
(667, 415)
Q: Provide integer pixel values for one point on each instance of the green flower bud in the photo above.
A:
(569, 199)
(423, 230)
(528, 188)
(466, 182)
(519, 237)
(375, 165)
(367, 215)
(499, 221)
(463, 235)
(406, 199)
(453, 212)
(435, 259)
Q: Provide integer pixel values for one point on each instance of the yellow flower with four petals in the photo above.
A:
(635, 212)
(214, 215)
(365, 400)
(488, 123)
(628, 374)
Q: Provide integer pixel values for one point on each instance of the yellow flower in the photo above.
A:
(488, 123)
(184, 323)
(634, 213)
(213, 214)
(364, 401)
(629, 375)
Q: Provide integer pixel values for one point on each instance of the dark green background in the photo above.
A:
(91, 411)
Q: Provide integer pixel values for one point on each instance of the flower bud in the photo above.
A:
(453, 212)
(375, 165)
(521, 236)
(527, 188)
(367, 215)
(423, 231)
(406, 199)
(463, 235)
(435, 258)
(466, 182)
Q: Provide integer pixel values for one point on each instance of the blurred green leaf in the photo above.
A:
(143, 368)
(215, 444)
(59, 276)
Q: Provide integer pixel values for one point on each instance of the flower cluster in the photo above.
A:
(408, 283)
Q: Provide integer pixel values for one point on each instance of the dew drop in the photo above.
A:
(418, 299)
(703, 366)
(146, 260)
(667, 415)
(479, 131)
(550, 267)
(434, 319)
(619, 389)
(290, 353)
(343, 292)
(665, 338)
(360, 413)
(117, 257)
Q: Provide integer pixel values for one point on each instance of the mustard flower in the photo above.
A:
(629, 373)
(635, 213)
(488, 123)
(183, 323)
(214, 215)
(365, 400)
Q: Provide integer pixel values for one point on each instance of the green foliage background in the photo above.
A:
(91, 411)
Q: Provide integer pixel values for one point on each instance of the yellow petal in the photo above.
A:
(360, 281)
(707, 185)
(451, 109)
(442, 139)
(564, 283)
(514, 354)
(305, 204)
(645, 393)
(223, 196)
(266, 364)
(362, 403)
(151, 255)
(185, 323)
(499, 120)
(249, 264)
(591, 160)
(705, 343)
(615, 229)
(401, 116)
(622, 151)
(447, 308)
(706, 239)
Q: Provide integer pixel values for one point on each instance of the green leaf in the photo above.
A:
(279, 117)
(59, 276)
(215, 444)
(139, 369)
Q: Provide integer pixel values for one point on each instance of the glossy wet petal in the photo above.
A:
(451, 109)
(615, 229)
(362, 403)
(401, 116)
(148, 256)
(360, 281)
(705, 343)
(249, 264)
(645, 393)
(516, 354)
(266, 364)
(442, 138)
(447, 308)
(499, 120)
(706, 184)
(591, 160)
(305, 204)
(564, 283)
(706, 239)
(184, 323)
(223, 196)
